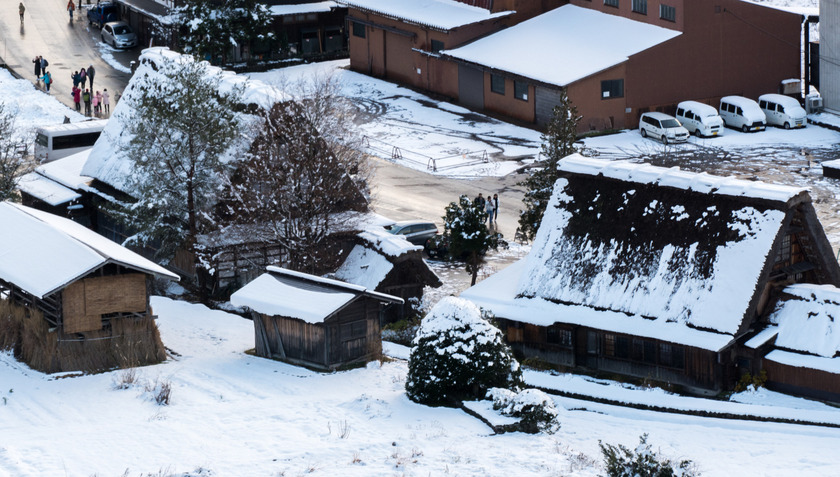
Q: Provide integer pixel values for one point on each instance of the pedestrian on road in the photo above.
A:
(106, 100)
(496, 207)
(75, 78)
(90, 73)
(44, 64)
(77, 97)
(37, 62)
(95, 100)
(71, 7)
(86, 99)
(47, 78)
(82, 77)
(21, 9)
(489, 209)
(479, 201)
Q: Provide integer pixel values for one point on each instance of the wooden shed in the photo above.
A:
(87, 297)
(314, 321)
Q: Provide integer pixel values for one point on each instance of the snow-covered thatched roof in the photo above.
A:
(808, 319)
(107, 161)
(439, 14)
(645, 250)
(283, 292)
(564, 57)
(42, 253)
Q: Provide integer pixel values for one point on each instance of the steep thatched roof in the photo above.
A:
(659, 243)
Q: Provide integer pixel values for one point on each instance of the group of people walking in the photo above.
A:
(41, 73)
(94, 103)
(489, 205)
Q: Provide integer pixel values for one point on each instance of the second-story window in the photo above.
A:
(611, 3)
(437, 45)
(640, 6)
(668, 13)
(497, 84)
(358, 30)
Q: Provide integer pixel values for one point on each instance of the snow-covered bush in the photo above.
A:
(534, 409)
(643, 462)
(458, 355)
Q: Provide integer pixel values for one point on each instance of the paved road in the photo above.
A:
(68, 47)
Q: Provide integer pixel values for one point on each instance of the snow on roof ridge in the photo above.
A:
(443, 14)
(702, 182)
(329, 281)
(388, 243)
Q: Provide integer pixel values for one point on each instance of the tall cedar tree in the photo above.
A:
(182, 133)
(12, 164)
(558, 142)
(215, 28)
(294, 183)
(465, 229)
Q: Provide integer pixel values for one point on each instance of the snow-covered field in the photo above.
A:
(234, 414)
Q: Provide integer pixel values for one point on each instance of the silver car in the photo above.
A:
(415, 231)
(118, 35)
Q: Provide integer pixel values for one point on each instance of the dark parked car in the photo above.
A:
(415, 231)
(103, 13)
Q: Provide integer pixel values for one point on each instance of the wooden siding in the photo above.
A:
(299, 340)
(85, 301)
(802, 381)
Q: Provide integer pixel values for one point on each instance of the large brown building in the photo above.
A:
(616, 58)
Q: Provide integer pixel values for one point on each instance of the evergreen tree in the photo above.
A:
(12, 164)
(214, 28)
(558, 141)
(458, 355)
(183, 132)
(465, 229)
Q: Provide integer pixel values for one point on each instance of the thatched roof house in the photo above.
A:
(313, 321)
(85, 287)
(389, 264)
(655, 272)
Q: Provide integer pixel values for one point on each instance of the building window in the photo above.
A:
(609, 344)
(591, 342)
(437, 45)
(668, 13)
(611, 3)
(520, 90)
(358, 30)
(622, 347)
(784, 251)
(612, 89)
(672, 356)
(640, 6)
(497, 84)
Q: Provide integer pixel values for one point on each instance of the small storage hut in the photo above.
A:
(314, 321)
(92, 295)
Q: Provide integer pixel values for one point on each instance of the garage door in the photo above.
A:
(471, 87)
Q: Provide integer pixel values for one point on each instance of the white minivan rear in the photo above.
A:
(742, 113)
(700, 119)
(782, 110)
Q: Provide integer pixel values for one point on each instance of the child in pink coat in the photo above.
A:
(97, 98)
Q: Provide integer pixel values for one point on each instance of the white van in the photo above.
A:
(62, 140)
(665, 127)
(742, 113)
(700, 119)
(782, 110)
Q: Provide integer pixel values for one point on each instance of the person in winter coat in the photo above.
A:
(82, 77)
(47, 79)
(90, 74)
(488, 207)
(106, 101)
(479, 201)
(71, 7)
(95, 100)
(21, 9)
(44, 64)
(86, 99)
(496, 207)
(77, 97)
(75, 78)
(37, 62)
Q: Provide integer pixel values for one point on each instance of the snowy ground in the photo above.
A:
(234, 414)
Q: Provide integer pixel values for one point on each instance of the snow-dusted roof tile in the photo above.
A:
(564, 57)
(809, 321)
(41, 252)
(441, 14)
(67, 171)
(388, 243)
(301, 8)
(45, 189)
(364, 267)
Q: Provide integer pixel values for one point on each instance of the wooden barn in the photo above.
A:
(87, 297)
(313, 321)
(388, 264)
(657, 273)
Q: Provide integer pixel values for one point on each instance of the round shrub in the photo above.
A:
(457, 356)
(534, 409)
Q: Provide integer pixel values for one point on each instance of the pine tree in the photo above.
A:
(215, 28)
(182, 132)
(458, 355)
(465, 229)
(558, 141)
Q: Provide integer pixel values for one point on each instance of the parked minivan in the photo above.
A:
(662, 126)
(782, 110)
(700, 119)
(742, 113)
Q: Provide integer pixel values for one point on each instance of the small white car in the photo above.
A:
(742, 113)
(782, 110)
(118, 35)
(700, 119)
(662, 126)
